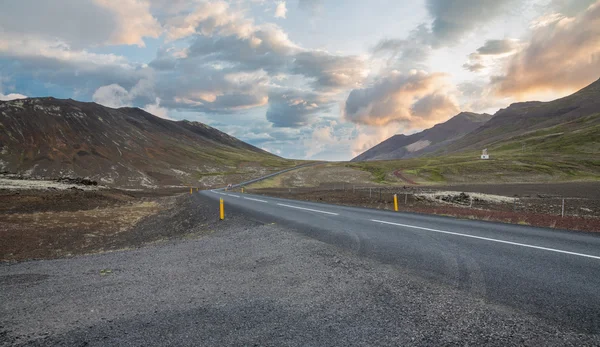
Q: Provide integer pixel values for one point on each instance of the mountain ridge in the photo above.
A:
(507, 125)
(127, 147)
(427, 141)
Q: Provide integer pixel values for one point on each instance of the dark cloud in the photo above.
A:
(293, 109)
(409, 53)
(453, 19)
(262, 51)
(204, 88)
(491, 49)
(417, 99)
(474, 67)
(329, 71)
(496, 47)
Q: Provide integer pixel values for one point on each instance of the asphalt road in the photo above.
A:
(289, 273)
(551, 274)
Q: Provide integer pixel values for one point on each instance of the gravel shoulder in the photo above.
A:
(249, 282)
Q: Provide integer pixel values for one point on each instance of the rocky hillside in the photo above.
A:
(126, 147)
(427, 141)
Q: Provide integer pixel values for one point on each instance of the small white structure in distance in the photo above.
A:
(485, 155)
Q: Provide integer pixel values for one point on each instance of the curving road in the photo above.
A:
(551, 274)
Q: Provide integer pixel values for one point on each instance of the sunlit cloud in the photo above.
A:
(561, 57)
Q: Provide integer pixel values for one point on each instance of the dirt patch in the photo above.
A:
(51, 224)
(402, 176)
(579, 213)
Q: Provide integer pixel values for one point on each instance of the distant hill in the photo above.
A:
(427, 141)
(567, 125)
(127, 147)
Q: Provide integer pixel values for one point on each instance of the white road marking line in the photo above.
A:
(489, 239)
(235, 196)
(308, 209)
(256, 200)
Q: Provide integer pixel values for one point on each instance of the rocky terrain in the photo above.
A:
(55, 223)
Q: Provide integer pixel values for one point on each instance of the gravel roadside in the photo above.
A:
(248, 282)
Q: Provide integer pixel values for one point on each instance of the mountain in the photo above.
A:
(427, 141)
(570, 124)
(126, 147)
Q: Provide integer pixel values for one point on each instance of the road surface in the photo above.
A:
(289, 273)
(552, 274)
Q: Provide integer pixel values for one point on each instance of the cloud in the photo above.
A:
(208, 89)
(112, 95)
(491, 51)
(133, 21)
(562, 56)
(293, 109)
(12, 96)
(498, 47)
(330, 71)
(280, 10)
(81, 23)
(115, 96)
(477, 96)
(156, 110)
(570, 7)
(55, 62)
(406, 54)
(453, 19)
(417, 99)
(474, 66)
(209, 19)
(267, 48)
(368, 137)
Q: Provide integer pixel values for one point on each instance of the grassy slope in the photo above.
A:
(566, 152)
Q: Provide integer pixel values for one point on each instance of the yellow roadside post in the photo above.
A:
(242, 190)
(396, 202)
(197, 189)
(222, 210)
(190, 190)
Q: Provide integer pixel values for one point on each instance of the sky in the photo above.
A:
(304, 79)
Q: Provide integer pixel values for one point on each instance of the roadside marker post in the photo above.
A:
(242, 190)
(221, 209)
(563, 208)
(396, 202)
(190, 190)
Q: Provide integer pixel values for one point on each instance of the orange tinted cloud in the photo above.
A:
(562, 56)
(415, 100)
